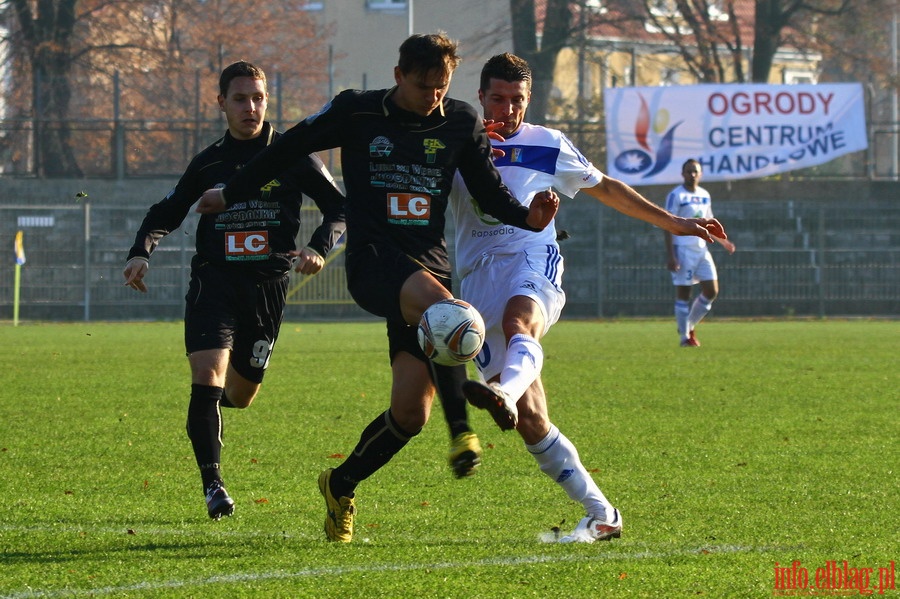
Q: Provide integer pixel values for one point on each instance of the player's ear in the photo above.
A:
(221, 99)
(398, 75)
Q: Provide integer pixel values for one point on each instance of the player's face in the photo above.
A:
(419, 92)
(691, 174)
(505, 102)
(245, 107)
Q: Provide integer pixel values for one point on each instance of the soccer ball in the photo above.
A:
(451, 332)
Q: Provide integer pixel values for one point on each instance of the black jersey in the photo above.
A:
(398, 169)
(256, 232)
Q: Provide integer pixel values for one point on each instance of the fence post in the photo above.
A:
(279, 102)
(823, 277)
(198, 116)
(602, 272)
(87, 258)
(119, 131)
(37, 125)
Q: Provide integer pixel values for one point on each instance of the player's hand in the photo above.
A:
(543, 208)
(309, 262)
(211, 202)
(708, 229)
(714, 227)
(134, 272)
(491, 128)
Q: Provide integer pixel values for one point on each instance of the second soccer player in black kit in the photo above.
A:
(239, 275)
(400, 148)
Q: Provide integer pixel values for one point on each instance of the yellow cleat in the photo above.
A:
(465, 454)
(339, 520)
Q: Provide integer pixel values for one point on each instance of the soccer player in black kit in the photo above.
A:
(400, 148)
(239, 275)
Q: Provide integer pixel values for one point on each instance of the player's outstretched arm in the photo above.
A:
(622, 197)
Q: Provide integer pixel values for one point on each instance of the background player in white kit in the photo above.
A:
(689, 259)
(514, 279)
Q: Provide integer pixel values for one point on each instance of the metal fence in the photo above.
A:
(141, 148)
(794, 258)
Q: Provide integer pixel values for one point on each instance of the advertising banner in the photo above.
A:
(736, 131)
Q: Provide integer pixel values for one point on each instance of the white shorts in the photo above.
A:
(696, 265)
(497, 279)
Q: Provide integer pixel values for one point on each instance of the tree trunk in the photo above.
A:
(55, 155)
(768, 23)
(47, 38)
(556, 31)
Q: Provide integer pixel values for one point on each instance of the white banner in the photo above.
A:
(736, 131)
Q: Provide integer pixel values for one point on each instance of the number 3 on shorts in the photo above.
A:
(262, 349)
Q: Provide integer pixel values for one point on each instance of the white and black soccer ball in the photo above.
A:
(451, 332)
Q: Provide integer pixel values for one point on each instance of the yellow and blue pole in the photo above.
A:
(20, 260)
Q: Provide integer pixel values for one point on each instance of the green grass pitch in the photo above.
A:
(768, 453)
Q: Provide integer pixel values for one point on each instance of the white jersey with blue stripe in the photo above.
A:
(537, 158)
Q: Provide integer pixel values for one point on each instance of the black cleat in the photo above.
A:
(218, 502)
(491, 398)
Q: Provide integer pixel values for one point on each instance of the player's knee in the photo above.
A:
(410, 421)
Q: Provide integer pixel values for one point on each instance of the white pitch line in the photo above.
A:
(264, 576)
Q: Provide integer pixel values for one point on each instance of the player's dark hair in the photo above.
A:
(426, 53)
(241, 68)
(688, 163)
(506, 67)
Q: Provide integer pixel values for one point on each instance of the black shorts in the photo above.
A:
(375, 275)
(229, 309)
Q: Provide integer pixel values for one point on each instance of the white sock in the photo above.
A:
(682, 310)
(559, 460)
(699, 309)
(524, 360)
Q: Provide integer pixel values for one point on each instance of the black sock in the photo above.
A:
(449, 380)
(204, 428)
(379, 442)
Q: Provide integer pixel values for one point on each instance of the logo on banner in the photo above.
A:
(635, 161)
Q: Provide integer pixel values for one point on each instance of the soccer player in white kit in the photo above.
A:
(514, 279)
(689, 259)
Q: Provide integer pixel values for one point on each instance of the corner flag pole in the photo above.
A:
(19, 249)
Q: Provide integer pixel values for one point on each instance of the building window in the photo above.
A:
(798, 76)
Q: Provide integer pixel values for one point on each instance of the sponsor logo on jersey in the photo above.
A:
(408, 208)
(431, 149)
(267, 189)
(380, 147)
(485, 218)
(246, 245)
